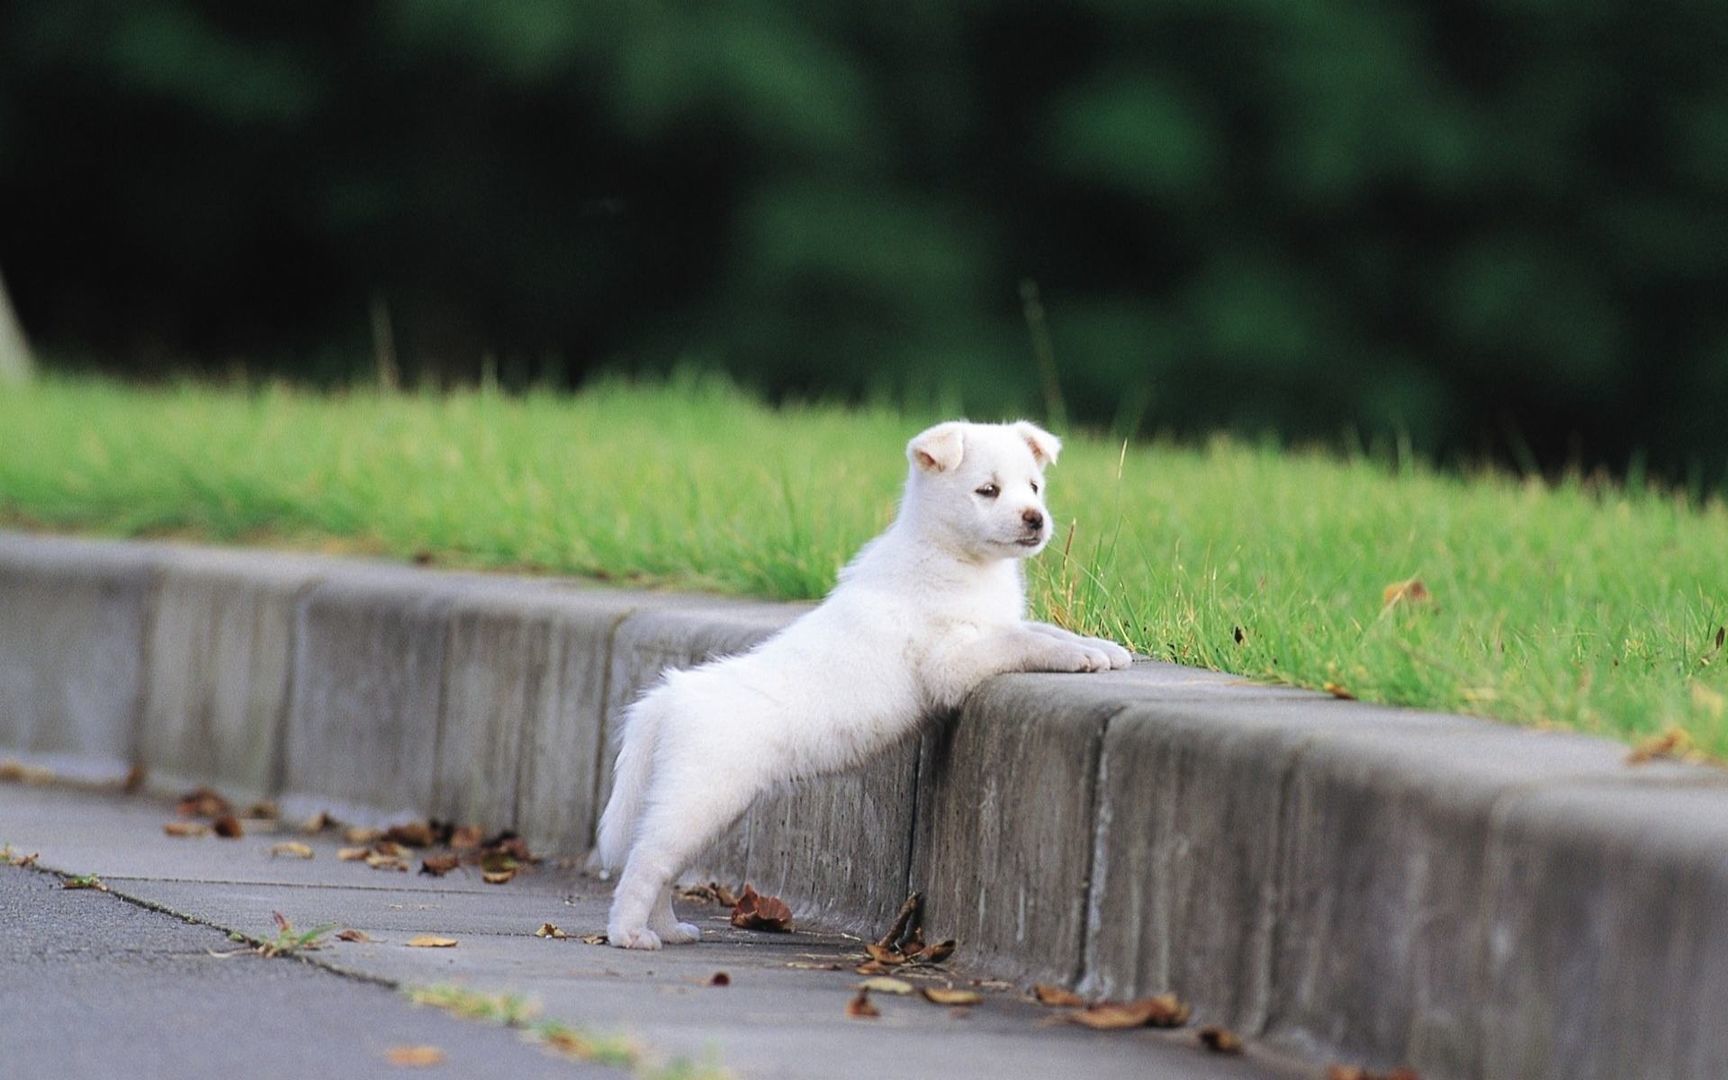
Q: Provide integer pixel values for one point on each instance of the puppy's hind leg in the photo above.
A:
(676, 824)
(664, 922)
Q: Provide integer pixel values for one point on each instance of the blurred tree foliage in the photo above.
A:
(1494, 227)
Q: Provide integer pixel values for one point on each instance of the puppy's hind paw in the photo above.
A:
(680, 934)
(642, 938)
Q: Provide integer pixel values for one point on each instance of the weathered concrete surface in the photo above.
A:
(1606, 944)
(72, 618)
(838, 848)
(774, 1020)
(1005, 808)
(221, 663)
(523, 707)
(363, 722)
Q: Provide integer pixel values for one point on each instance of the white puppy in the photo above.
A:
(920, 617)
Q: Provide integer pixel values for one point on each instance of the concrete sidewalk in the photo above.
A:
(151, 1000)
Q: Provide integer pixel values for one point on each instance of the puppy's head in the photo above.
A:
(981, 486)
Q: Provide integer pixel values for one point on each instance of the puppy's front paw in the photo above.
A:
(1118, 656)
(640, 938)
(1076, 657)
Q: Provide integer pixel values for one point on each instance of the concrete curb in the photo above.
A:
(1350, 882)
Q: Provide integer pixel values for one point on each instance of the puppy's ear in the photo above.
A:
(1045, 446)
(938, 449)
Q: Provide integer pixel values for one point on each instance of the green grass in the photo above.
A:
(1578, 604)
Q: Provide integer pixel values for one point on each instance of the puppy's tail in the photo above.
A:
(630, 776)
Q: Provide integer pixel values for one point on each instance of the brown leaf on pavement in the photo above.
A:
(935, 954)
(317, 823)
(886, 984)
(415, 1056)
(412, 834)
(497, 877)
(1338, 691)
(720, 978)
(1220, 1040)
(291, 848)
(361, 834)
(909, 917)
(466, 837)
(352, 854)
(385, 862)
(859, 1008)
(431, 941)
(203, 802)
(938, 996)
(1162, 1010)
(757, 912)
(1356, 1072)
(186, 828)
(228, 827)
(887, 957)
(262, 810)
(711, 893)
(353, 935)
(1057, 996)
(592, 939)
(547, 930)
(439, 865)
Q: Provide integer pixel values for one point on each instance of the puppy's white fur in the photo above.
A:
(920, 617)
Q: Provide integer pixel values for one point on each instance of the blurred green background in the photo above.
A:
(1485, 229)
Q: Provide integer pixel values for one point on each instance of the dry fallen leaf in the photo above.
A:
(1220, 1040)
(466, 837)
(136, 777)
(352, 854)
(1162, 1010)
(431, 941)
(228, 827)
(757, 912)
(439, 865)
(497, 877)
(885, 956)
(1356, 1072)
(360, 834)
(389, 848)
(592, 939)
(711, 893)
(317, 823)
(353, 935)
(1673, 743)
(1057, 996)
(859, 1008)
(413, 834)
(186, 828)
(262, 810)
(938, 996)
(547, 930)
(720, 978)
(805, 965)
(385, 862)
(1408, 592)
(1338, 691)
(416, 1056)
(886, 984)
(291, 848)
(935, 954)
(203, 802)
(25, 861)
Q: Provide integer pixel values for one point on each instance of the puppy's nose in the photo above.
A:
(1032, 518)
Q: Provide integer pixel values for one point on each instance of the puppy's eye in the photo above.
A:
(1034, 487)
(989, 491)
